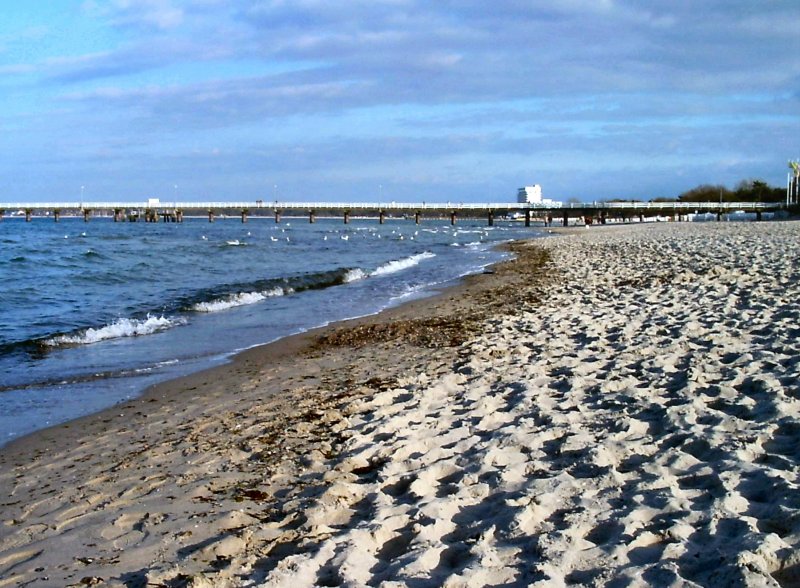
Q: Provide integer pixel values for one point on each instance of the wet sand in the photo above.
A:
(618, 405)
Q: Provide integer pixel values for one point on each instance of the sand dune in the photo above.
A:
(638, 425)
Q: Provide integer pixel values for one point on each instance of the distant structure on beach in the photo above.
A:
(793, 183)
(533, 195)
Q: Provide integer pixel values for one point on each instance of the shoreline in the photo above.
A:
(268, 351)
(59, 357)
(611, 405)
(327, 357)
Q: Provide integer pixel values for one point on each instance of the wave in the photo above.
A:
(401, 264)
(354, 275)
(228, 296)
(209, 300)
(240, 299)
(120, 328)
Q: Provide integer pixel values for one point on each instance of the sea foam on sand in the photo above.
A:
(638, 425)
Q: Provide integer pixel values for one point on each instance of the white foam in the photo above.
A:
(123, 327)
(240, 299)
(402, 264)
(354, 275)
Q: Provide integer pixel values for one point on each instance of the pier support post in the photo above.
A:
(490, 218)
(86, 214)
(346, 216)
(381, 217)
(416, 217)
(117, 214)
(210, 215)
(453, 217)
(312, 217)
(56, 214)
(719, 215)
(527, 218)
(179, 216)
(277, 216)
(28, 213)
(1, 213)
(603, 217)
(566, 219)
(641, 217)
(244, 215)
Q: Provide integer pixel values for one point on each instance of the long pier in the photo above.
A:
(599, 212)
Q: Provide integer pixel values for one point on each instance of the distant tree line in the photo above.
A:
(745, 191)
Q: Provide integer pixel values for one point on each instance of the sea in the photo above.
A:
(93, 313)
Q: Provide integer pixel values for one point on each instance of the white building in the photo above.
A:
(533, 195)
(530, 194)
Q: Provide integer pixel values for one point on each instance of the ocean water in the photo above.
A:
(93, 313)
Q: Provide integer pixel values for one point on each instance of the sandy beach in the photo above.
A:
(619, 406)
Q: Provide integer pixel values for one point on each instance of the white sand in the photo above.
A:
(640, 427)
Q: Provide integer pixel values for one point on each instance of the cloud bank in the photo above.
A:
(449, 100)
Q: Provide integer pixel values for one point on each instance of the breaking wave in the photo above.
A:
(123, 327)
(399, 265)
(240, 299)
(354, 275)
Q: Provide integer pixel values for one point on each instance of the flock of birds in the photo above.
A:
(344, 237)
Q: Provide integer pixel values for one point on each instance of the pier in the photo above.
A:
(566, 214)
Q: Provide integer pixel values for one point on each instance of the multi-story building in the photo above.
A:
(530, 194)
(533, 195)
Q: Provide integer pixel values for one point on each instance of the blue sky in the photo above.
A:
(406, 99)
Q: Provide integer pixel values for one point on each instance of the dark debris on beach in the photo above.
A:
(508, 287)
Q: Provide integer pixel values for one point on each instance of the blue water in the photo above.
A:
(93, 313)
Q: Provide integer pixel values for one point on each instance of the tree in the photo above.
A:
(706, 193)
(751, 190)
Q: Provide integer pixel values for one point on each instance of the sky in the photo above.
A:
(394, 100)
